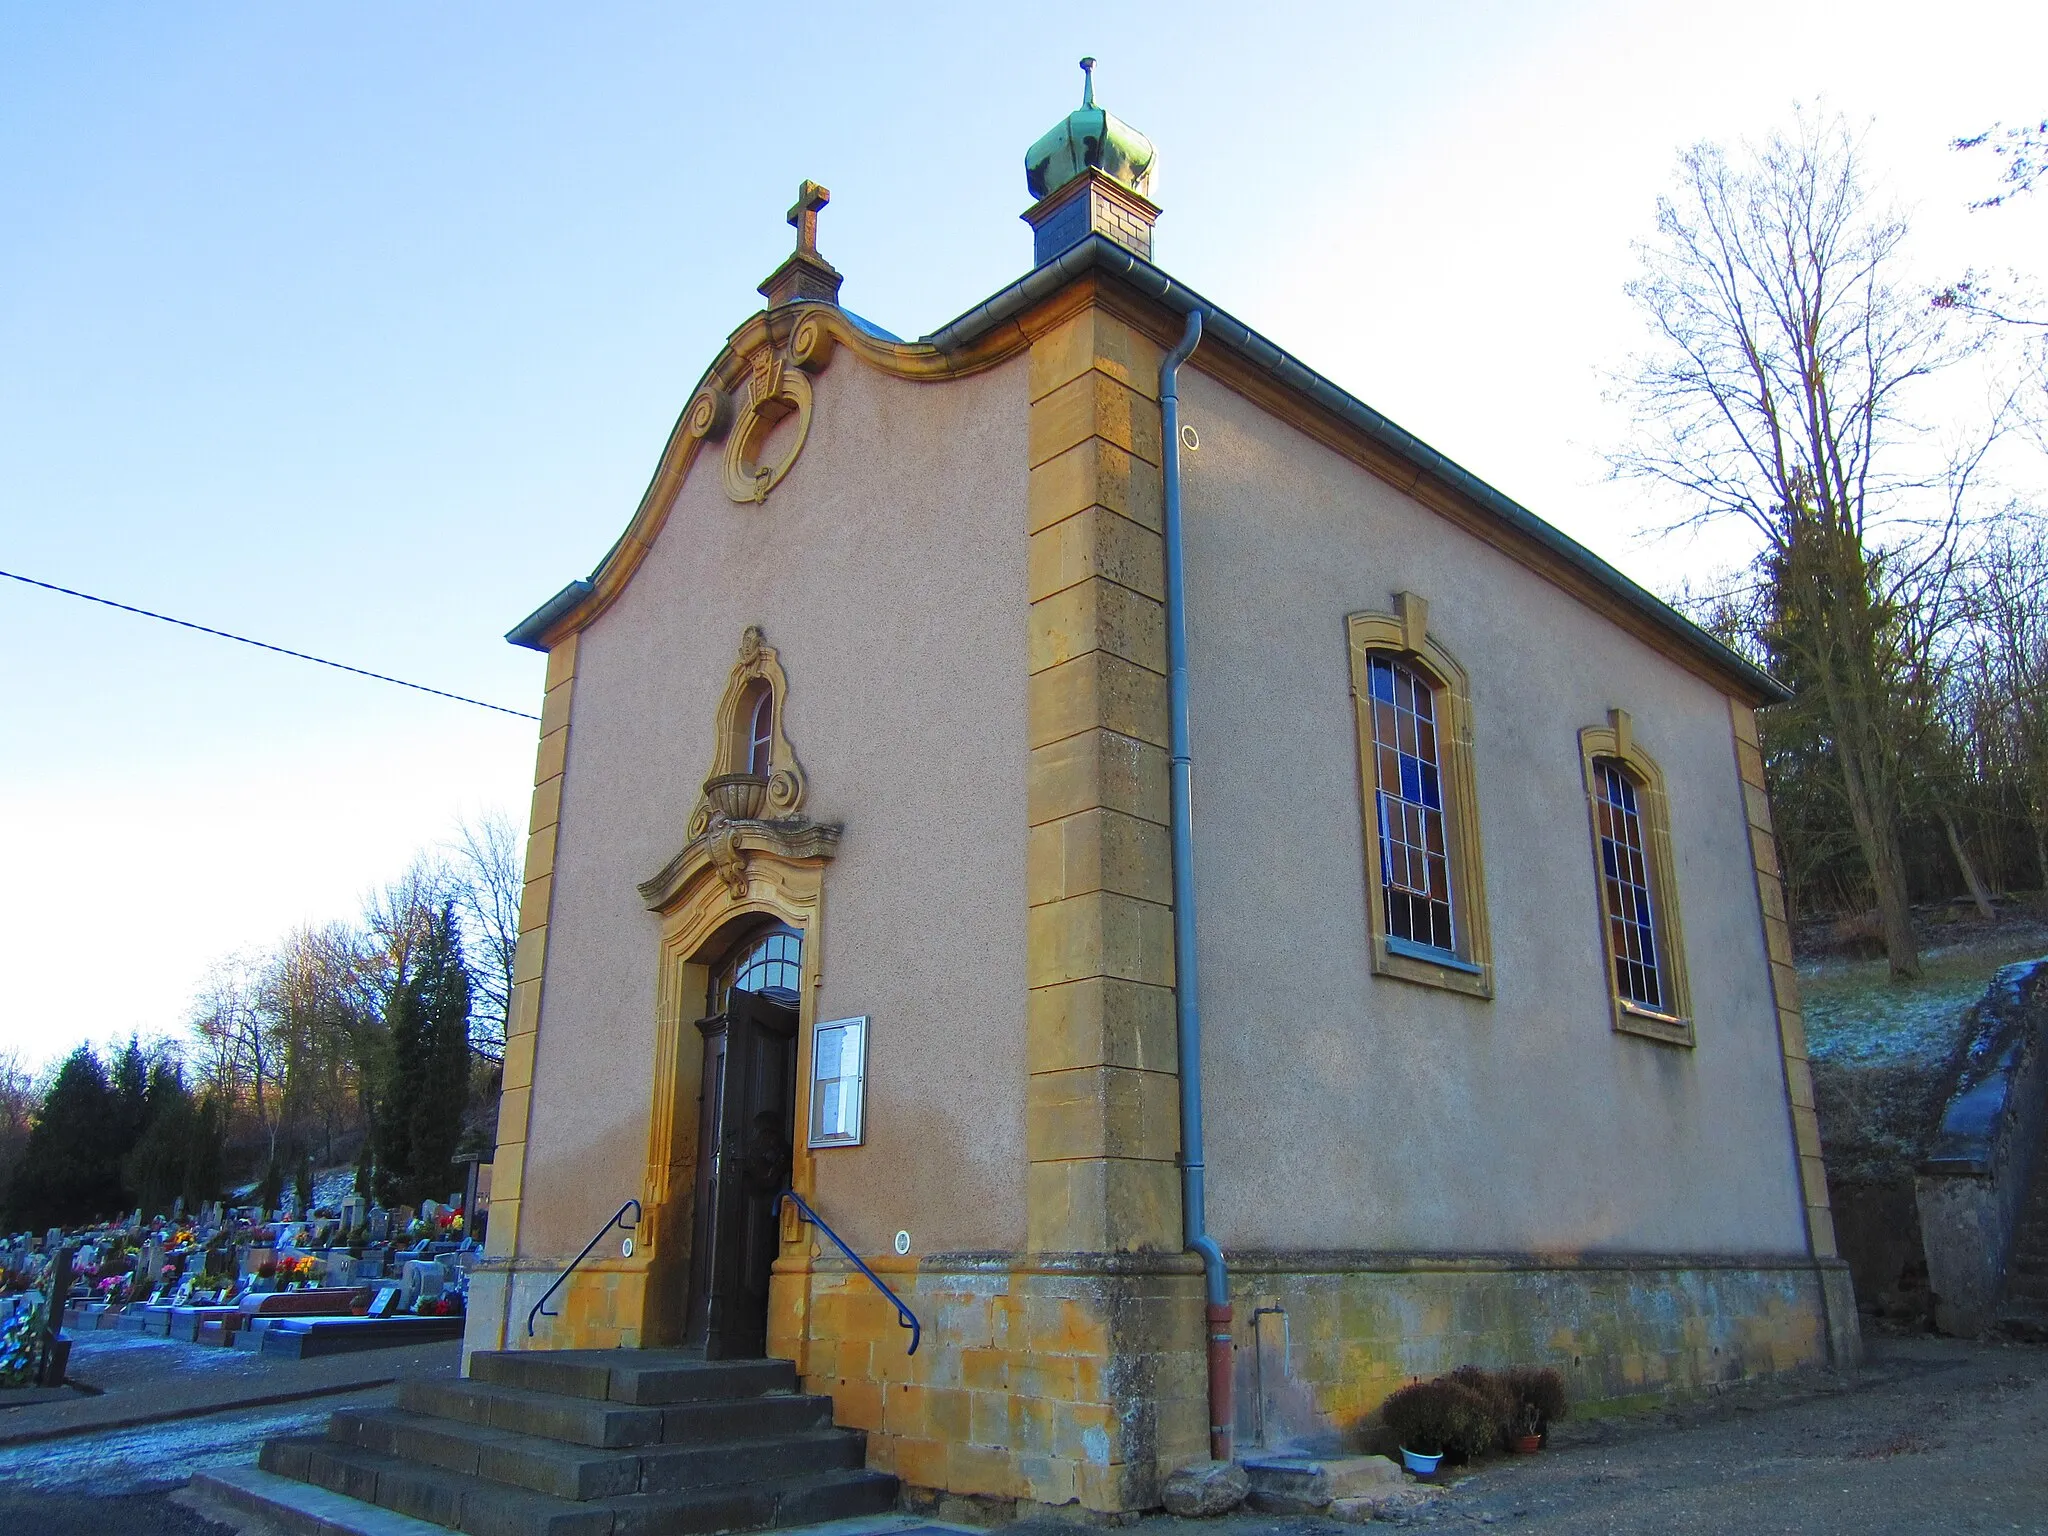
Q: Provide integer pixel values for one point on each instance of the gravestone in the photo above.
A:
(380, 1224)
(424, 1279)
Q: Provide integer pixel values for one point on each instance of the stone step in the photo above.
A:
(471, 1504)
(231, 1496)
(2027, 1324)
(1306, 1485)
(643, 1377)
(306, 1338)
(594, 1422)
(584, 1472)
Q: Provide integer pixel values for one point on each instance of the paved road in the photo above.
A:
(138, 1376)
(113, 1483)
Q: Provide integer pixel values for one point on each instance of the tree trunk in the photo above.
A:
(1978, 893)
(1877, 832)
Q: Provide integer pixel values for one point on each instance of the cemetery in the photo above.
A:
(336, 1279)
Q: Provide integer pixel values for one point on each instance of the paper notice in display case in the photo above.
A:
(839, 1054)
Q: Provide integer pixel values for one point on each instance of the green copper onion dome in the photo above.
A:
(1089, 138)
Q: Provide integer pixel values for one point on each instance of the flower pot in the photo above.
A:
(738, 796)
(1419, 1464)
(1526, 1445)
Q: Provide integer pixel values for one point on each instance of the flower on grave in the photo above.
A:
(21, 1343)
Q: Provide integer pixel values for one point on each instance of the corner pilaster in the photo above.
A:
(1102, 1118)
(522, 1027)
(1770, 886)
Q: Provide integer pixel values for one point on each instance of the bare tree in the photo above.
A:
(2023, 149)
(319, 1007)
(232, 1051)
(2004, 669)
(18, 1104)
(487, 876)
(1784, 392)
(399, 917)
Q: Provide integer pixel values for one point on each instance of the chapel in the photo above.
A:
(1110, 906)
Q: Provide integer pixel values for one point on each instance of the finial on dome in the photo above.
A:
(1091, 174)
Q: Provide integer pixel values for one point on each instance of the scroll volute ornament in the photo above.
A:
(782, 797)
(778, 386)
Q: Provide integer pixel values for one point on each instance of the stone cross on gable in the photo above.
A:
(804, 274)
(810, 197)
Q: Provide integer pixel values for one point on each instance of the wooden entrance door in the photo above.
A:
(746, 1123)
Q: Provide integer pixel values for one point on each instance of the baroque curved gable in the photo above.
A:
(761, 377)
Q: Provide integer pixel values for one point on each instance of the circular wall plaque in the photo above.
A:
(903, 1242)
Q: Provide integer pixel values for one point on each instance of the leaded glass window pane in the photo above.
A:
(1415, 866)
(1625, 886)
(761, 730)
(769, 962)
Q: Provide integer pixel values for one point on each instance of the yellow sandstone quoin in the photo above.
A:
(865, 717)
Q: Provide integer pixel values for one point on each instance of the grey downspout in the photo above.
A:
(1186, 1003)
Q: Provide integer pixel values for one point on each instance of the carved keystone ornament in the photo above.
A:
(778, 386)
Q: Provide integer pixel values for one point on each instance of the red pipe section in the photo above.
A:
(1221, 1412)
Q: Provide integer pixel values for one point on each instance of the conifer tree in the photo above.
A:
(154, 1171)
(426, 1088)
(71, 1170)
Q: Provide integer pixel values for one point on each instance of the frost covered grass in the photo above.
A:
(1856, 1016)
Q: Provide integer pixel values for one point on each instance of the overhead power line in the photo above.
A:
(261, 645)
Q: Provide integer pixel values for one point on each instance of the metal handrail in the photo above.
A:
(905, 1318)
(540, 1307)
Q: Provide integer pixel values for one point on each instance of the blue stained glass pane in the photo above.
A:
(1411, 780)
(1432, 795)
(1383, 681)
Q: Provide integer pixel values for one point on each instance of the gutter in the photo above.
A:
(530, 630)
(1097, 253)
(1187, 1006)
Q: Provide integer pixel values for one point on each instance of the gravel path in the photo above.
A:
(1933, 1435)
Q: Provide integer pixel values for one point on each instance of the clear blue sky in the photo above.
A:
(358, 329)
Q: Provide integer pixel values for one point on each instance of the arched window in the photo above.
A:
(768, 961)
(1625, 883)
(1647, 990)
(1415, 861)
(757, 725)
(1413, 707)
